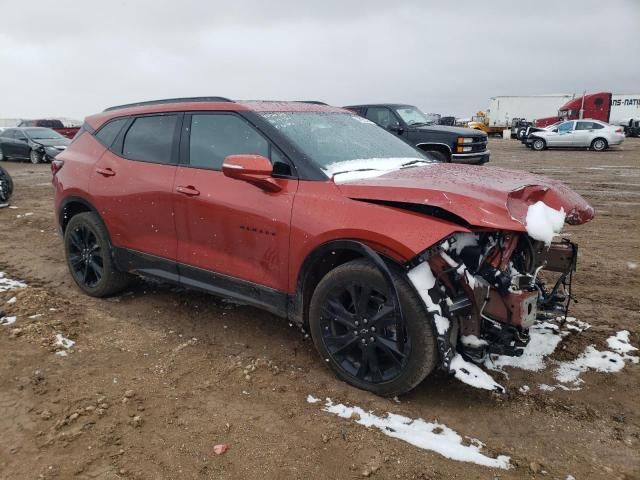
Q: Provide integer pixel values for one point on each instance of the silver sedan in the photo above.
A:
(587, 133)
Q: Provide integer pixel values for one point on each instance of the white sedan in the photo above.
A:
(587, 133)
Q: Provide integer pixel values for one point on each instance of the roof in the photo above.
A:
(206, 104)
(391, 105)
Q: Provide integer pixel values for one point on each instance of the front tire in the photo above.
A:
(439, 156)
(599, 144)
(35, 157)
(354, 329)
(89, 256)
(538, 144)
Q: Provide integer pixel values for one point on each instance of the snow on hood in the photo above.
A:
(350, 170)
(483, 196)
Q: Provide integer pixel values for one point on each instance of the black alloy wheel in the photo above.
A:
(89, 256)
(362, 335)
(354, 328)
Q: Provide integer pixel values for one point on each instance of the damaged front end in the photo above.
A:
(486, 289)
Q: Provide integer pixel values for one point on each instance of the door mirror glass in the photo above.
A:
(555, 130)
(254, 169)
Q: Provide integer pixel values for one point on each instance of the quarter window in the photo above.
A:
(150, 139)
(108, 133)
(214, 137)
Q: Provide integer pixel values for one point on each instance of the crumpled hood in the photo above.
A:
(482, 196)
(55, 142)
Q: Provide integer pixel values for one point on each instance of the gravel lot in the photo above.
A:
(160, 375)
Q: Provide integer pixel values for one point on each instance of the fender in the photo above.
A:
(296, 306)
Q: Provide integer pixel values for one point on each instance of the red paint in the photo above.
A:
(596, 106)
(239, 227)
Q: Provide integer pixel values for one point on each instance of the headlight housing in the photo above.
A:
(464, 140)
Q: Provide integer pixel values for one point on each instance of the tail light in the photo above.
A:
(618, 130)
(56, 165)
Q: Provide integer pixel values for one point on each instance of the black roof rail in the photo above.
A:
(315, 102)
(169, 100)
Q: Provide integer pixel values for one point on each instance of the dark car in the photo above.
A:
(37, 144)
(53, 124)
(444, 143)
(318, 216)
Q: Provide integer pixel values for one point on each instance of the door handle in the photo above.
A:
(189, 191)
(105, 172)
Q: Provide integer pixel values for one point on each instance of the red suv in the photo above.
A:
(393, 263)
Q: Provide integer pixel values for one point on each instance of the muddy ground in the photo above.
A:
(158, 375)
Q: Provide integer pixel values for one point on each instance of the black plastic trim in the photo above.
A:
(168, 100)
(243, 291)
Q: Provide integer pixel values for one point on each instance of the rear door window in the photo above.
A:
(150, 139)
(215, 136)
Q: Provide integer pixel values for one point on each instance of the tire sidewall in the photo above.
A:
(418, 323)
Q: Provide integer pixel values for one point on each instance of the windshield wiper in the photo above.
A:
(413, 162)
(356, 170)
(419, 124)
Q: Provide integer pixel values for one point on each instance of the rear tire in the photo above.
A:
(89, 256)
(6, 186)
(439, 156)
(538, 144)
(369, 354)
(599, 144)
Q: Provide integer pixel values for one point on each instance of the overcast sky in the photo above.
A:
(73, 58)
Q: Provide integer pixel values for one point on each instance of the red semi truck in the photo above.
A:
(614, 108)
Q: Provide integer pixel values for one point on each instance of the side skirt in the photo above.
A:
(265, 298)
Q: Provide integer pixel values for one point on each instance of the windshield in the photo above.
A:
(339, 142)
(412, 116)
(43, 134)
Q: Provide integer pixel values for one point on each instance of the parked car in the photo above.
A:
(36, 144)
(444, 143)
(53, 124)
(588, 133)
(384, 256)
(6, 186)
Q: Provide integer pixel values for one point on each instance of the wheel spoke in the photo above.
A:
(390, 351)
(76, 260)
(374, 365)
(363, 300)
(76, 240)
(338, 313)
(85, 273)
(342, 342)
(97, 269)
(380, 314)
(364, 364)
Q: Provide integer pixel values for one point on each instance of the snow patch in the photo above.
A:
(473, 341)
(12, 300)
(620, 342)
(632, 265)
(442, 324)
(7, 320)
(435, 436)
(543, 222)
(64, 342)
(359, 169)
(423, 280)
(609, 362)
(9, 284)
(464, 240)
(473, 375)
(312, 399)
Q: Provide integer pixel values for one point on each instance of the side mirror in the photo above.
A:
(555, 130)
(396, 128)
(254, 169)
